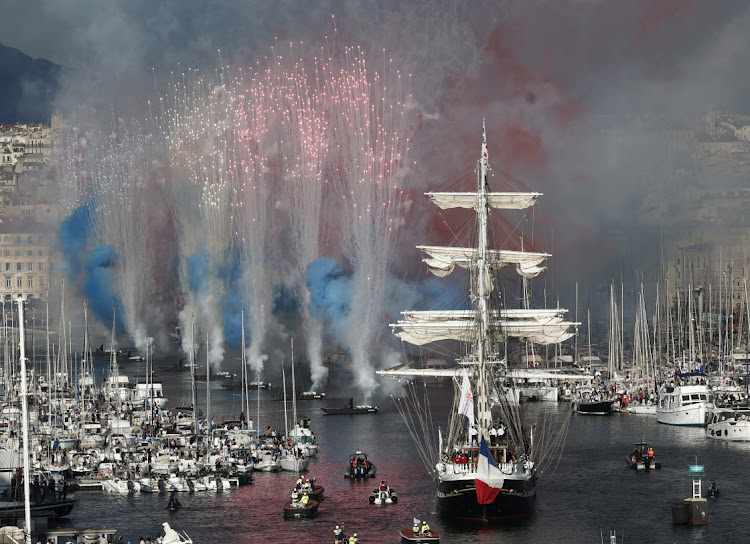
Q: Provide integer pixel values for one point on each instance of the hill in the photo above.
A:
(27, 87)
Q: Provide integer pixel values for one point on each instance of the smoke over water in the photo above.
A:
(280, 172)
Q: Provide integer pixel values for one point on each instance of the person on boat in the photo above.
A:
(295, 496)
(651, 454)
(353, 539)
(425, 529)
(636, 455)
(383, 486)
(299, 483)
(415, 528)
(307, 486)
(304, 500)
(337, 532)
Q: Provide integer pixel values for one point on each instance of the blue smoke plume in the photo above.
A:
(88, 273)
(330, 293)
(97, 287)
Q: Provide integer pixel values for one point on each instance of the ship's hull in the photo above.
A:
(457, 500)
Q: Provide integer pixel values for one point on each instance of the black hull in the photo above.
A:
(349, 411)
(50, 510)
(457, 500)
(361, 472)
(603, 408)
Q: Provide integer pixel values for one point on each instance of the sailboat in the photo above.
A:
(294, 460)
(478, 475)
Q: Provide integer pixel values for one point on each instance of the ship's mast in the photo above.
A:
(484, 346)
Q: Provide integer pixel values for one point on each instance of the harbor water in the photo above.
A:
(584, 495)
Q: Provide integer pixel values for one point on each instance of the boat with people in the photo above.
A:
(296, 509)
(730, 424)
(477, 476)
(360, 466)
(384, 494)
(350, 409)
(419, 533)
(686, 404)
(642, 457)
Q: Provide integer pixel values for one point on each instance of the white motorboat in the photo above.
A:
(120, 485)
(729, 424)
(268, 462)
(684, 405)
(173, 537)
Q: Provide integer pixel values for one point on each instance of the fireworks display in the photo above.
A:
(250, 184)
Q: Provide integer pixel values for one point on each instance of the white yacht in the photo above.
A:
(684, 405)
(729, 424)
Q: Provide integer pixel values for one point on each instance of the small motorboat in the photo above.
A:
(296, 510)
(383, 496)
(173, 537)
(640, 458)
(408, 535)
(360, 466)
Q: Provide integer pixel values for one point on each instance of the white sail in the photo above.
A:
(465, 330)
(507, 201)
(442, 260)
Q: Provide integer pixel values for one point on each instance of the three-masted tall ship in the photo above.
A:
(480, 474)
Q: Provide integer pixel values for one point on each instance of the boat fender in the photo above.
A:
(394, 498)
(441, 467)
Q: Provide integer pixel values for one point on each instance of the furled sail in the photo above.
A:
(553, 315)
(442, 260)
(506, 201)
(419, 332)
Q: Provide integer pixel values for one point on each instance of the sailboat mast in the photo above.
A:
(208, 393)
(25, 426)
(484, 346)
(283, 386)
(192, 386)
(294, 391)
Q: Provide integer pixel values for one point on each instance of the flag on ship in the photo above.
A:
(489, 480)
(466, 406)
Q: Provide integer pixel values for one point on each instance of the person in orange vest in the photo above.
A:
(650, 453)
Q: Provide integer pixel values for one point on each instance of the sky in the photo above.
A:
(576, 95)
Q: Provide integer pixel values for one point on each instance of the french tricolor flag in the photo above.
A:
(489, 479)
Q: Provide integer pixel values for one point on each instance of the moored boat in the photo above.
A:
(593, 407)
(730, 424)
(684, 405)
